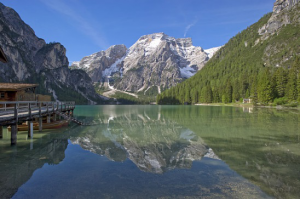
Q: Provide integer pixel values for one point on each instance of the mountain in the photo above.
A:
(32, 60)
(103, 63)
(278, 18)
(262, 62)
(154, 63)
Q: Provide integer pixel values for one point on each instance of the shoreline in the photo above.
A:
(279, 107)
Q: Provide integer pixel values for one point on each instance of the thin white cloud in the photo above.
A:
(188, 27)
(80, 22)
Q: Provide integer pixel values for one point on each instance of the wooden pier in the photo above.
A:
(14, 113)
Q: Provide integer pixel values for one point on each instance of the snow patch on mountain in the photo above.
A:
(148, 44)
(88, 61)
(211, 52)
(154, 43)
(76, 64)
(113, 68)
(187, 72)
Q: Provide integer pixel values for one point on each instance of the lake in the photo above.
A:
(158, 152)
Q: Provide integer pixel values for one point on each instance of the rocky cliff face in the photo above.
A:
(279, 18)
(98, 64)
(280, 5)
(31, 60)
(155, 62)
(284, 22)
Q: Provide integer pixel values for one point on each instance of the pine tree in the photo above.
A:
(216, 96)
(228, 93)
(187, 98)
(247, 94)
(265, 90)
(298, 86)
(194, 95)
(254, 91)
(209, 95)
(281, 80)
(158, 99)
(297, 66)
(291, 88)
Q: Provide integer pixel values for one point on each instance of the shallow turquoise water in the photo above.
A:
(158, 152)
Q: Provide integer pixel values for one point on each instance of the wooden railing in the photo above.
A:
(28, 109)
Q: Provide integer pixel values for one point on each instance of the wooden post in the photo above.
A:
(14, 131)
(14, 127)
(1, 132)
(29, 111)
(40, 109)
(16, 113)
(30, 129)
(29, 123)
(40, 124)
(40, 117)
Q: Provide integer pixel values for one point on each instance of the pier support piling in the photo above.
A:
(30, 129)
(54, 117)
(1, 132)
(40, 124)
(48, 119)
(14, 131)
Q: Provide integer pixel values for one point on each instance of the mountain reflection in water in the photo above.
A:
(155, 145)
(158, 152)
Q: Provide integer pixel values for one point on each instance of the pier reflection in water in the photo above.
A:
(19, 162)
(143, 152)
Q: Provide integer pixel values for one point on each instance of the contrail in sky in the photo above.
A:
(189, 27)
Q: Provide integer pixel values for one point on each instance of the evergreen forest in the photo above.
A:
(267, 71)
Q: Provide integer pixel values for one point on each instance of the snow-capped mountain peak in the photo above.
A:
(155, 61)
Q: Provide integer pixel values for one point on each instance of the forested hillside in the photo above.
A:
(265, 69)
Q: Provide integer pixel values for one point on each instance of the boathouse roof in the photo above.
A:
(2, 56)
(15, 86)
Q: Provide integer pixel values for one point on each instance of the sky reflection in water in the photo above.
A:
(152, 152)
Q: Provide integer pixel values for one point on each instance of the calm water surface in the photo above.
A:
(158, 152)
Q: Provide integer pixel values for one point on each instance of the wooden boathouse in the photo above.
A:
(17, 92)
(19, 103)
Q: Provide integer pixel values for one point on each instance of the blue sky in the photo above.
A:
(88, 26)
